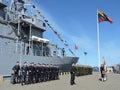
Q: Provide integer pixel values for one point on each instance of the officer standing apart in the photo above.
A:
(72, 73)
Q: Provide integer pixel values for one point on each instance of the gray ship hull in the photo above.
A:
(21, 39)
(8, 61)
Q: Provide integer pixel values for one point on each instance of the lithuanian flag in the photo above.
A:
(102, 17)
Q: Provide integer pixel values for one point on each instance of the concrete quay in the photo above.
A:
(89, 82)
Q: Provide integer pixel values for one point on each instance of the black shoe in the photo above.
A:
(22, 84)
(74, 83)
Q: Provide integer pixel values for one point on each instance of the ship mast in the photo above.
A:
(14, 8)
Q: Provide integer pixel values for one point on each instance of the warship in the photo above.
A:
(21, 39)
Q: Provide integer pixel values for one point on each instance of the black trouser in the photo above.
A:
(17, 79)
(30, 77)
(72, 81)
(37, 77)
(12, 79)
(42, 76)
(23, 78)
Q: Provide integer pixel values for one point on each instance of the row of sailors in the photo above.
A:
(34, 73)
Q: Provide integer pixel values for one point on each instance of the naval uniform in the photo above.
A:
(24, 70)
(16, 69)
(72, 72)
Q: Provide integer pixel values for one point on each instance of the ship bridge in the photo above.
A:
(35, 22)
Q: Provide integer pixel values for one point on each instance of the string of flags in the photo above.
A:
(76, 47)
(58, 35)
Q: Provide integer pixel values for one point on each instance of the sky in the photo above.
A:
(76, 21)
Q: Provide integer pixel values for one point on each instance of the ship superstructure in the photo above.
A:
(21, 39)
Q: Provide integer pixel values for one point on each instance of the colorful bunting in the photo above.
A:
(76, 47)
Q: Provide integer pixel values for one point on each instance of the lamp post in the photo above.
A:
(85, 53)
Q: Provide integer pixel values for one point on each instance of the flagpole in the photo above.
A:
(98, 37)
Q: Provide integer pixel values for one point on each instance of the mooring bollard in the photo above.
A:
(1, 79)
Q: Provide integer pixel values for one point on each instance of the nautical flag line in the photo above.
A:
(58, 35)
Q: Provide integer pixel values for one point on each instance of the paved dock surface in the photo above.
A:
(89, 82)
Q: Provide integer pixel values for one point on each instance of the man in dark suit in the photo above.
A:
(72, 73)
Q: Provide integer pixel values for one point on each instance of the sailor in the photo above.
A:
(37, 73)
(56, 72)
(16, 69)
(72, 72)
(63, 51)
(24, 70)
(42, 72)
(44, 49)
(31, 72)
(52, 72)
(47, 51)
(27, 50)
(47, 71)
(34, 72)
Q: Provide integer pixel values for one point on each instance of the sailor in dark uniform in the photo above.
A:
(37, 69)
(48, 72)
(34, 73)
(63, 51)
(24, 70)
(52, 72)
(56, 72)
(31, 72)
(16, 69)
(42, 72)
(72, 72)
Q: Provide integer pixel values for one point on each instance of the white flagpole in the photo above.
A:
(98, 37)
